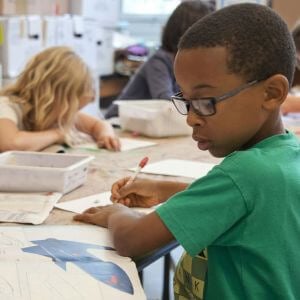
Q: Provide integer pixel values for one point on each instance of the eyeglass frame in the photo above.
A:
(213, 100)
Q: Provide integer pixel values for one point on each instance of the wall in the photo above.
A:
(289, 10)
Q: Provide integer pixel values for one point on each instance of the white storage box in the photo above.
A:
(154, 118)
(42, 172)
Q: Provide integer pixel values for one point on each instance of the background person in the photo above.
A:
(42, 107)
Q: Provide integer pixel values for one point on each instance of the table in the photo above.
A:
(111, 166)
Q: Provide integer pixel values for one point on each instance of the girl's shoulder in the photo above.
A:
(9, 101)
(10, 110)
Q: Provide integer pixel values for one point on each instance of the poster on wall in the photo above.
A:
(64, 262)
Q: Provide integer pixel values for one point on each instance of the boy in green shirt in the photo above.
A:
(234, 68)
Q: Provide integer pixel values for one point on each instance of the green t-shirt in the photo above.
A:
(246, 211)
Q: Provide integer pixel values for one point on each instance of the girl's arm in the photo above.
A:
(101, 131)
(11, 138)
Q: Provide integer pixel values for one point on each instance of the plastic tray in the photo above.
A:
(153, 118)
(42, 172)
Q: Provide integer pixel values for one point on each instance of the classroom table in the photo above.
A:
(111, 166)
(107, 167)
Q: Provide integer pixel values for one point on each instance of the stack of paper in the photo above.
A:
(26, 207)
(126, 144)
(292, 122)
(81, 204)
(177, 167)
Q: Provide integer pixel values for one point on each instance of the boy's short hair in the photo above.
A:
(258, 41)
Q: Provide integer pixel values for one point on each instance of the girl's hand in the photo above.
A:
(105, 136)
(110, 142)
(101, 131)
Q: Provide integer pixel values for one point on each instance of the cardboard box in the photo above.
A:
(42, 172)
(38, 7)
(12, 48)
(62, 7)
(7, 7)
(104, 11)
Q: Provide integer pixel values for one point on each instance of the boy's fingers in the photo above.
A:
(115, 195)
(125, 202)
(85, 217)
(127, 189)
(91, 210)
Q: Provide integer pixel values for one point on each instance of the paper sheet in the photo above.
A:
(177, 167)
(81, 204)
(31, 208)
(292, 122)
(75, 262)
(126, 144)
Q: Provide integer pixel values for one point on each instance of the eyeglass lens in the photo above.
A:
(202, 107)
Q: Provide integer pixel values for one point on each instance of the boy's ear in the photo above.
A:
(276, 89)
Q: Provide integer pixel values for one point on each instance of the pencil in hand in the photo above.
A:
(141, 165)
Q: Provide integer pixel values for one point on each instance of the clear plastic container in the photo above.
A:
(42, 172)
(153, 118)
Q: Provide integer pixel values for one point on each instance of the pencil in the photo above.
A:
(140, 166)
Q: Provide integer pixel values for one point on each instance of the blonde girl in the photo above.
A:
(42, 107)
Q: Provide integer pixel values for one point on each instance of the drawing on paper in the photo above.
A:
(62, 262)
(63, 252)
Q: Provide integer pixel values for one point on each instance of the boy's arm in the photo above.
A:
(11, 138)
(144, 192)
(100, 130)
(133, 234)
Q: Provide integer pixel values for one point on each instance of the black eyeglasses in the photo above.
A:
(205, 106)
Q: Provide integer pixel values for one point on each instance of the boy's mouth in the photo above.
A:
(203, 144)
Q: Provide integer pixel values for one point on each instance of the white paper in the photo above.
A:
(26, 207)
(291, 122)
(80, 205)
(126, 144)
(177, 167)
(75, 262)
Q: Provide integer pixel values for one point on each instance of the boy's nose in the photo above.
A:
(193, 119)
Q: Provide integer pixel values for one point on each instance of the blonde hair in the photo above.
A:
(50, 87)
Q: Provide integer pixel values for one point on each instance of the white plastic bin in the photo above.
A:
(153, 118)
(42, 172)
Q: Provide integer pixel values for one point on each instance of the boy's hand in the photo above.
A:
(140, 193)
(99, 215)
